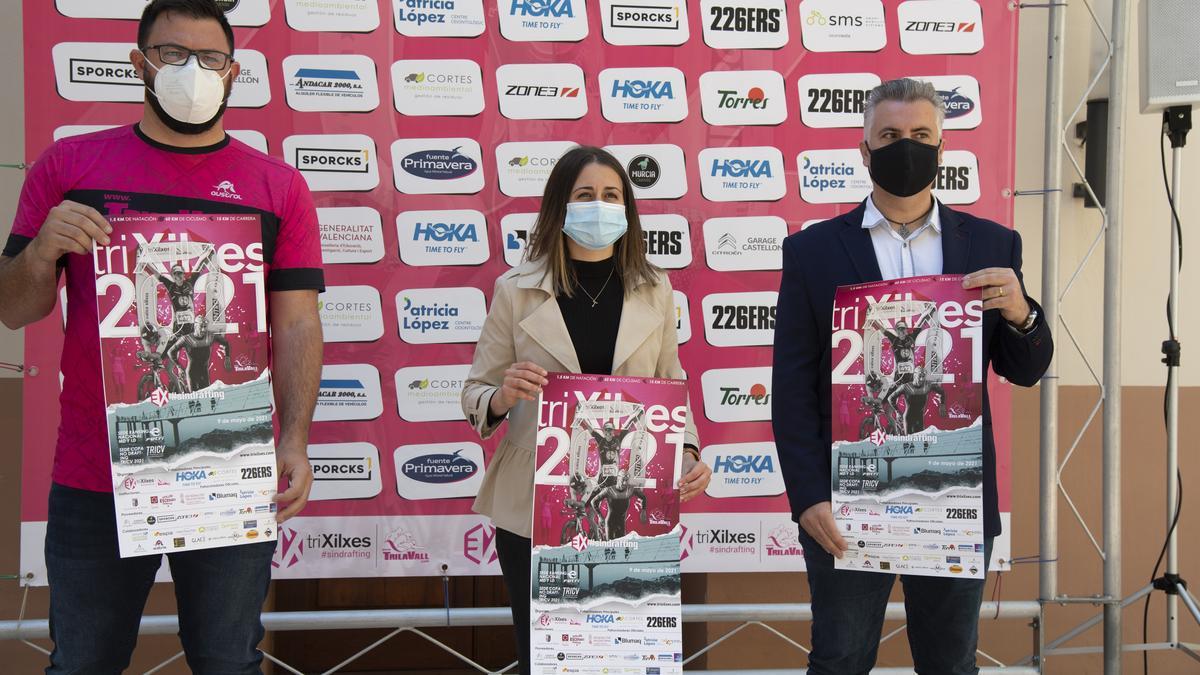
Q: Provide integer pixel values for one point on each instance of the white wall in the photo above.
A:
(1146, 214)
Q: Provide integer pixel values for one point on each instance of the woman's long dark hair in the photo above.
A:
(548, 243)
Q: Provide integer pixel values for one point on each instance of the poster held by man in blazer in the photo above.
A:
(899, 231)
(586, 300)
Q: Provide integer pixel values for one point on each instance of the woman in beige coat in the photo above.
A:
(585, 301)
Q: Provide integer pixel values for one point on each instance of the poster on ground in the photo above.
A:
(908, 434)
(606, 535)
(183, 349)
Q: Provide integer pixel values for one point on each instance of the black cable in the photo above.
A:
(1175, 222)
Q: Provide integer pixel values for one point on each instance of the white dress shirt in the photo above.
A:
(918, 255)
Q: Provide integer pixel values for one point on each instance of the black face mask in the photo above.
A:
(904, 167)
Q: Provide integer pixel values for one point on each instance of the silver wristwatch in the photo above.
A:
(1029, 322)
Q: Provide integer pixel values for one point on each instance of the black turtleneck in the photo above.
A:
(593, 329)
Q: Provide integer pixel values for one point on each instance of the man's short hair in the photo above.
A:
(196, 9)
(906, 90)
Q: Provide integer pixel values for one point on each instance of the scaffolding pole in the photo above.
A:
(1051, 203)
(1111, 455)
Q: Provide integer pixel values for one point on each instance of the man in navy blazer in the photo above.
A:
(899, 231)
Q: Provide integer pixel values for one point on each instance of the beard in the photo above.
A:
(185, 127)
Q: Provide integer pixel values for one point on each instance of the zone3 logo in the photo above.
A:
(253, 472)
(962, 514)
(661, 622)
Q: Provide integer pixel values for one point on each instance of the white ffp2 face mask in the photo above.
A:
(188, 93)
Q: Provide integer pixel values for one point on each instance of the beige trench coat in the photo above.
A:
(525, 324)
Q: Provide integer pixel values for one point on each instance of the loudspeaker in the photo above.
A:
(1169, 35)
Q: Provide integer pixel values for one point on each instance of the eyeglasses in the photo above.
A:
(175, 55)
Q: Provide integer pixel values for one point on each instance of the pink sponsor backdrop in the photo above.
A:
(992, 142)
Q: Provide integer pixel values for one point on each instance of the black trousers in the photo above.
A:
(514, 553)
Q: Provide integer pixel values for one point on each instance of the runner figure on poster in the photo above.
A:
(615, 488)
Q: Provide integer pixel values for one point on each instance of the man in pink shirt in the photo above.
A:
(177, 159)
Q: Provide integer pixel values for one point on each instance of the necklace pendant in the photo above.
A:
(593, 303)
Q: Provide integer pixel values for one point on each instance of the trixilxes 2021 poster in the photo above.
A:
(606, 531)
(908, 426)
(183, 347)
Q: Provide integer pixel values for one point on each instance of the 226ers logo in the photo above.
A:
(745, 19)
(962, 514)
(743, 317)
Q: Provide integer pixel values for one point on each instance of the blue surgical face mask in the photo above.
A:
(595, 225)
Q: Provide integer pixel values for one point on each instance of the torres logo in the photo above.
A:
(740, 97)
(737, 394)
(335, 162)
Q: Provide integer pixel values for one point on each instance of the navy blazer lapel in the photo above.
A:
(956, 242)
(857, 241)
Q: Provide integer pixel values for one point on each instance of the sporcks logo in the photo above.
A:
(344, 471)
(289, 550)
(643, 94)
(644, 22)
(579, 542)
(334, 161)
(401, 545)
(479, 544)
(225, 190)
(737, 97)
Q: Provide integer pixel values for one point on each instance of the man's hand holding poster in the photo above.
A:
(907, 426)
(605, 572)
(183, 343)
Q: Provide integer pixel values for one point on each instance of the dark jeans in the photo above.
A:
(97, 597)
(848, 609)
(514, 552)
